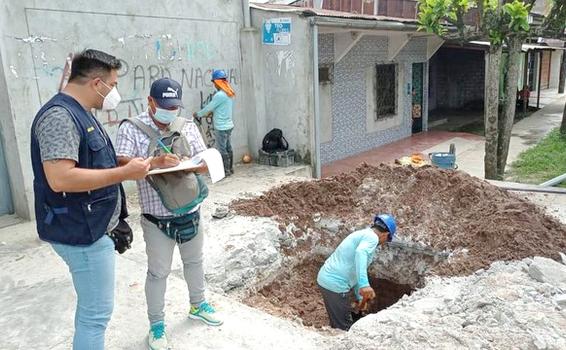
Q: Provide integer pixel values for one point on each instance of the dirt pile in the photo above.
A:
(473, 220)
(447, 210)
(294, 294)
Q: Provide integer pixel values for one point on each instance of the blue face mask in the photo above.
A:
(165, 116)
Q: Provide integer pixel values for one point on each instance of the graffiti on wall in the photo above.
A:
(205, 123)
(187, 52)
(141, 78)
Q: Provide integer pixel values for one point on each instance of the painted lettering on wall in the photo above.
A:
(200, 51)
(205, 123)
(135, 106)
(190, 77)
(136, 79)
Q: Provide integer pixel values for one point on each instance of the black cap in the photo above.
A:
(167, 93)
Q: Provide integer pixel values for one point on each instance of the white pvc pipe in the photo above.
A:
(555, 181)
(246, 11)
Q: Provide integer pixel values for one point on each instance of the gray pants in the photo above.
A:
(338, 308)
(159, 249)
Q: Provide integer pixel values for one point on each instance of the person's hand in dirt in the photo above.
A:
(359, 307)
(165, 161)
(367, 294)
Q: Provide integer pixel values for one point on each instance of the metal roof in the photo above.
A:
(309, 12)
(526, 47)
(284, 2)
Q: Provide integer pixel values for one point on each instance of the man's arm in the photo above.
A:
(161, 162)
(365, 249)
(126, 149)
(59, 141)
(64, 176)
(209, 108)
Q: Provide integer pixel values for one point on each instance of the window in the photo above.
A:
(324, 74)
(385, 91)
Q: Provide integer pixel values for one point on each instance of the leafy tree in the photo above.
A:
(502, 22)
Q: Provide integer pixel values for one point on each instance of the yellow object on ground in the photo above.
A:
(416, 160)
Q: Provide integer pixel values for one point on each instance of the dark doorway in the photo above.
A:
(417, 110)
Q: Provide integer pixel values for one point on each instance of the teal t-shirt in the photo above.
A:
(221, 106)
(347, 267)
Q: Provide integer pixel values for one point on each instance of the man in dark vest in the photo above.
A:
(77, 197)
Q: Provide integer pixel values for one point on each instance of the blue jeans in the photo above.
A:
(92, 269)
(224, 146)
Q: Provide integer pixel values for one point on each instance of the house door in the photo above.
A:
(545, 70)
(417, 110)
(5, 193)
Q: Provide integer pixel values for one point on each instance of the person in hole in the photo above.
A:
(346, 270)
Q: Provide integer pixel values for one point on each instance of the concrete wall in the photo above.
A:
(6, 203)
(456, 79)
(555, 61)
(180, 39)
(287, 84)
(353, 126)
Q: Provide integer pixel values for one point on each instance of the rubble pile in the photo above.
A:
(467, 219)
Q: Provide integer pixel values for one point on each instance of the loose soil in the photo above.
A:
(446, 210)
(295, 294)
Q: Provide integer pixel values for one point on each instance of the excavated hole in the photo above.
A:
(387, 293)
(294, 292)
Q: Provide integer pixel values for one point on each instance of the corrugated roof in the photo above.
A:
(525, 48)
(284, 2)
(328, 13)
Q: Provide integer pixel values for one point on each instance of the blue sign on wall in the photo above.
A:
(277, 31)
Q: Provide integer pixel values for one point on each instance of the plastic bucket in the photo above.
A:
(443, 160)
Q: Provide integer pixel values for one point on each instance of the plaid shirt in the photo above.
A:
(132, 142)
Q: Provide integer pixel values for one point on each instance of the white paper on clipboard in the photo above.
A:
(211, 157)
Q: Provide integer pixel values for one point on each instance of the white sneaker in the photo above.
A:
(157, 338)
(205, 313)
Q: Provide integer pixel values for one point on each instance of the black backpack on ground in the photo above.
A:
(274, 142)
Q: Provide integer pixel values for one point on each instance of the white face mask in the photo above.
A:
(165, 116)
(111, 100)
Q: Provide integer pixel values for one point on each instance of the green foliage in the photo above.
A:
(555, 22)
(490, 5)
(542, 162)
(498, 22)
(431, 15)
(517, 14)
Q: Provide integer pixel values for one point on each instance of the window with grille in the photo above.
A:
(385, 91)
(325, 74)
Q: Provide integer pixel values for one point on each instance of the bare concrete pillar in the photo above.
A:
(254, 94)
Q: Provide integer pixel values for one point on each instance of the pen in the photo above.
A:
(160, 143)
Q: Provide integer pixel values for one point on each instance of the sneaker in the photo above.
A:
(157, 339)
(205, 313)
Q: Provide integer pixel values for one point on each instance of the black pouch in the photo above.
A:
(180, 229)
(122, 235)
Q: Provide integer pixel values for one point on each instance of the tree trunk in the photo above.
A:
(561, 90)
(510, 101)
(563, 126)
(492, 111)
(562, 77)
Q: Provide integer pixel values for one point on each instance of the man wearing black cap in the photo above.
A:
(164, 104)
